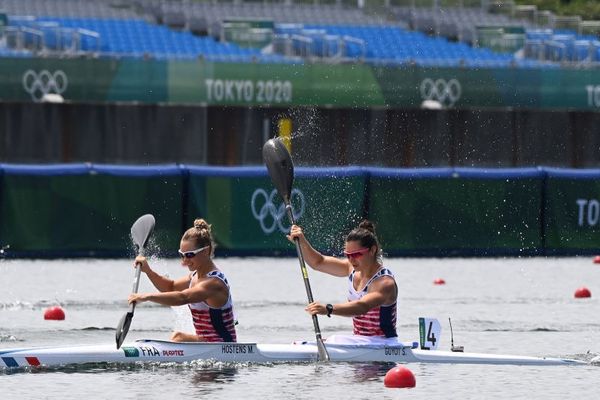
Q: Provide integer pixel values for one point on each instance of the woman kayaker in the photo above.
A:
(372, 289)
(205, 289)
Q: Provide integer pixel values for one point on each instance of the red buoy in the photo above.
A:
(583, 293)
(439, 281)
(399, 377)
(597, 260)
(55, 313)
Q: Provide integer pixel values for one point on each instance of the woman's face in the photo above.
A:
(191, 256)
(356, 253)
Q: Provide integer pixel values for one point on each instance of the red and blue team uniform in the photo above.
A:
(214, 324)
(378, 321)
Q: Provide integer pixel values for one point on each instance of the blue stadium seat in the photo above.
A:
(377, 44)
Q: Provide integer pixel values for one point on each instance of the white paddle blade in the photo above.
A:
(141, 231)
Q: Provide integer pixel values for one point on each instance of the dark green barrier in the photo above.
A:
(87, 210)
(41, 208)
(70, 210)
(84, 80)
(457, 211)
(248, 216)
(490, 87)
(247, 84)
(572, 211)
(125, 193)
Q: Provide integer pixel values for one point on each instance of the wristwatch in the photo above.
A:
(329, 308)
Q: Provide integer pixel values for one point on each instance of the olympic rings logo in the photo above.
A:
(446, 93)
(44, 82)
(271, 216)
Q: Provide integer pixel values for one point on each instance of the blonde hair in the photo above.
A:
(200, 234)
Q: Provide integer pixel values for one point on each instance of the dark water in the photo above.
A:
(507, 306)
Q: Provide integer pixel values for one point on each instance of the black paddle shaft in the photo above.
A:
(302, 263)
(315, 320)
(281, 169)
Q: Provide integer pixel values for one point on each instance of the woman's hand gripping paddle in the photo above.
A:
(281, 169)
(140, 233)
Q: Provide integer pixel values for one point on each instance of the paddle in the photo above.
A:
(140, 233)
(281, 169)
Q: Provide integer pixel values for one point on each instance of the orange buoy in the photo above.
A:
(582, 293)
(55, 313)
(399, 377)
(439, 281)
(597, 260)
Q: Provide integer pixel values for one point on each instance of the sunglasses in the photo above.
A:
(191, 253)
(356, 254)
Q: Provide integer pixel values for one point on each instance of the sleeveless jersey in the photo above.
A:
(378, 321)
(214, 324)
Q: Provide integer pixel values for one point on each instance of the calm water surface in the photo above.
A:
(510, 306)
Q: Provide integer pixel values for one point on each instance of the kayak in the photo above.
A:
(148, 350)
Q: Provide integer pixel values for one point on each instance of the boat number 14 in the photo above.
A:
(429, 333)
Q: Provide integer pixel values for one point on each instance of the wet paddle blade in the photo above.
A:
(322, 351)
(280, 166)
(281, 169)
(123, 328)
(140, 233)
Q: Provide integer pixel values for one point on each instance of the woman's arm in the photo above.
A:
(317, 261)
(212, 291)
(381, 292)
(160, 282)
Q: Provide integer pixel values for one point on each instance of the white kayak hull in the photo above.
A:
(165, 351)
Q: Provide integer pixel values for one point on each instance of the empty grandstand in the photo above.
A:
(407, 82)
(286, 32)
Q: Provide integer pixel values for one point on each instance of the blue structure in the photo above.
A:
(393, 45)
(181, 30)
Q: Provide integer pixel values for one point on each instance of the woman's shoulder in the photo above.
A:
(218, 277)
(383, 271)
(216, 273)
(383, 281)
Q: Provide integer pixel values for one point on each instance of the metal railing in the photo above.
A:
(45, 38)
(575, 53)
(319, 47)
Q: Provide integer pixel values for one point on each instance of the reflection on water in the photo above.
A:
(370, 371)
(225, 375)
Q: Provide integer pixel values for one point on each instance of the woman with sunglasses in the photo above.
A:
(372, 289)
(205, 289)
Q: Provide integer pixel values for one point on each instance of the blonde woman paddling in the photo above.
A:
(205, 289)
